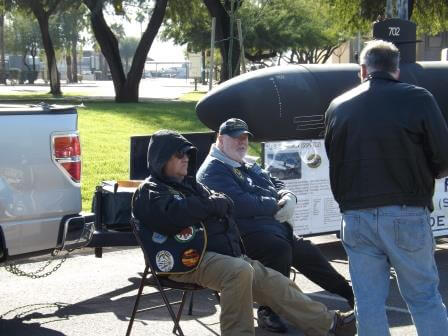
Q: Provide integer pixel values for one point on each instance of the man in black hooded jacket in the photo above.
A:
(169, 201)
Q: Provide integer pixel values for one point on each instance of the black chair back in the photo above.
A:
(143, 237)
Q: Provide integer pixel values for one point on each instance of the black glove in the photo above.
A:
(221, 204)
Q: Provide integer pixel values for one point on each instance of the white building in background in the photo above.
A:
(429, 49)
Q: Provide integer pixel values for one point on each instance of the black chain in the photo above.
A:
(14, 269)
(22, 312)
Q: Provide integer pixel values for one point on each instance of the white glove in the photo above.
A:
(287, 205)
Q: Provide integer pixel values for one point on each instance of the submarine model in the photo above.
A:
(289, 102)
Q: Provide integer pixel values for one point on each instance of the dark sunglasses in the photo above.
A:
(180, 155)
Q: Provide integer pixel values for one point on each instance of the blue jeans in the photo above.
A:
(393, 236)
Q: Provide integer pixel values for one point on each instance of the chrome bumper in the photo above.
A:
(78, 231)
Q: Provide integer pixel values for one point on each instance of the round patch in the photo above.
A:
(185, 235)
(314, 160)
(164, 261)
(190, 258)
(159, 238)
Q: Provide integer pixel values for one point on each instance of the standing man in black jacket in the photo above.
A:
(170, 201)
(386, 142)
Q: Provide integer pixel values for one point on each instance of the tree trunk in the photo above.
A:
(68, 62)
(410, 8)
(53, 73)
(74, 46)
(2, 48)
(25, 53)
(126, 89)
(138, 62)
(217, 10)
(107, 42)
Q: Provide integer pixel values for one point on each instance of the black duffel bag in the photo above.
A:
(112, 204)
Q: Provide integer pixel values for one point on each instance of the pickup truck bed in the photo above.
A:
(40, 190)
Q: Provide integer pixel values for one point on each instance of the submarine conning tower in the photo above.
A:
(402, 33)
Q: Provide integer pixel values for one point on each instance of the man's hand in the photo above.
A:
(222, 204)
(287, 205)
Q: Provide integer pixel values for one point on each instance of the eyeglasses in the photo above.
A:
(179, 155)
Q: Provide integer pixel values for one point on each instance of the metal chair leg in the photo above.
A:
(294, 274)
(137, 300)
(170, 309)
(181, 308)
(190, 307)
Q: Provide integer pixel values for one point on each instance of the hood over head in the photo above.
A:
(163, 145)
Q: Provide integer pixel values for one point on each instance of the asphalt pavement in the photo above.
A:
(91, 296)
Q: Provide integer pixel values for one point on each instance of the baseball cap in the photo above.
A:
(234, 127)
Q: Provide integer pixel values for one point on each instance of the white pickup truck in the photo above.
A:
(40, 190)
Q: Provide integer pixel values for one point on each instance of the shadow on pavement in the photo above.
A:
(151, 303)
(17, 327)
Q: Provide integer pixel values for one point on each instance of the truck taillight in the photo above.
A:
(67, 154)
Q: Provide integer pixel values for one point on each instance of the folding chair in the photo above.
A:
(162, 283)
(294, 273)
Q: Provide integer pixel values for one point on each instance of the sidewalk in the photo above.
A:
(150, 88)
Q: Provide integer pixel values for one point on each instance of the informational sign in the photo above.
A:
(303, 166)
(195, 65)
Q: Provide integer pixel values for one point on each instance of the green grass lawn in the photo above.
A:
(105, 130)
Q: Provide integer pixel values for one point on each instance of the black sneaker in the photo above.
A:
(344, 324)
(270, 321)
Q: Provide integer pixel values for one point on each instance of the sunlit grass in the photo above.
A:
(192, 96)
(21, 95)
(106, 128)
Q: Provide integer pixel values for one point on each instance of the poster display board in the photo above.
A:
(195, 65)
(303, 166)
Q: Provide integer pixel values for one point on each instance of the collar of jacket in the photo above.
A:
(218, 154)
(188, 182)
(381, 75)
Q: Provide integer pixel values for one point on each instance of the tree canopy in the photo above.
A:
(431, 16)
(42, 11)
(125, 85)
(301, 30)
(187, 22)
(71, 23)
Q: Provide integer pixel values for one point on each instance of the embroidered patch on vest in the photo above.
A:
(190, 257)
(159, 238)
(164, 261)
(185, 235)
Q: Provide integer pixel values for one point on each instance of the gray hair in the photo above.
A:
(379, 55)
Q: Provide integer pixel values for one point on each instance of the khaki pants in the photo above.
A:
(242, 281)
